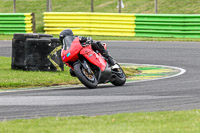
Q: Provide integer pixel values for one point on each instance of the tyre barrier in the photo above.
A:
(36, 52)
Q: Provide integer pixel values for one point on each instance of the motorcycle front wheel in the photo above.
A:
(120, 77)
(85, 77)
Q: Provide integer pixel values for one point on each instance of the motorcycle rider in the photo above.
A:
(98, 46)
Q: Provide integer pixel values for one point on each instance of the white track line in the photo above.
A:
(182, 71)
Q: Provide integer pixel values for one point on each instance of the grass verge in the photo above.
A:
(9, 37)
(144, 122)
(19, 78)
(6, 37)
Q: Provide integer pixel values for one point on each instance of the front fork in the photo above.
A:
(86, 67)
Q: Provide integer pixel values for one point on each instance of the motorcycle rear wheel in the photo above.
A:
(89, 80)
(120, 77)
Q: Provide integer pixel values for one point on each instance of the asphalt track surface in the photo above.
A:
(176, 93)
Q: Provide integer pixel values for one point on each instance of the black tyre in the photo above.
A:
(120, 77)
(89, 80)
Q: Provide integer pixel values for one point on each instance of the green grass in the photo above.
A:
(145, 122)
(131, 6)
(9, 37)
(19, 78)
(6, 37)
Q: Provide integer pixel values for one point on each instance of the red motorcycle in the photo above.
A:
(90, 67)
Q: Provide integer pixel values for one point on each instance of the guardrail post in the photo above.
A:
(92, 5)
(119, 2)
(33, 22)
(156, 6)
(49, 6)
(14, 6)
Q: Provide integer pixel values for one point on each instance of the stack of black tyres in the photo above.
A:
(33, 51)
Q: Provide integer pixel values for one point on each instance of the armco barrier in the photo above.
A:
(168, 25)
(115, 24)
(11, 23)
(90, 23)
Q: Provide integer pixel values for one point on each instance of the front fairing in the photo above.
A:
(93, 57)
(71, 49)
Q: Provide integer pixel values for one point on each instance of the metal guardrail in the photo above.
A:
(11, 23)
(114, 24)
(90, 23)
(168, 25)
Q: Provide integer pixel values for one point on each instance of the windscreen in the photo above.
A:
(67, 41)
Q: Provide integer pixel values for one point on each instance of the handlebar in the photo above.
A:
(89, 40)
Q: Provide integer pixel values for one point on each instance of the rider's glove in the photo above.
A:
(89, 40)
(82, 39)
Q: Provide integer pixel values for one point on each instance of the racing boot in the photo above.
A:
(112, 63)
(110, 60)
